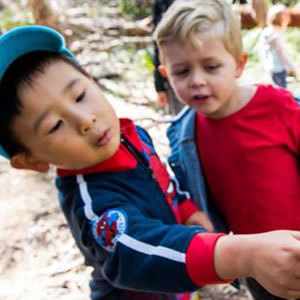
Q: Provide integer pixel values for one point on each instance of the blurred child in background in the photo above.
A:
(273, 52)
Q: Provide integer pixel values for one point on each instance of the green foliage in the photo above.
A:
(250, 40)
(142, 58)
(9, 19)
(285, 2)
(145, 59)
(133, 10)
(292, 37)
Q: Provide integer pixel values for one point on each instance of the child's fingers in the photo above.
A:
(199, 218)
(207, 224)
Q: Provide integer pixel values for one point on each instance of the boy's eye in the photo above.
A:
(180, 72)
(55, 127)
(211, 68)
(80, 97)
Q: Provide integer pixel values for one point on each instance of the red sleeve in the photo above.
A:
(200, 259)
(187, 208)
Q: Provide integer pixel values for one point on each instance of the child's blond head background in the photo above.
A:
(185, 19)
(276, 13)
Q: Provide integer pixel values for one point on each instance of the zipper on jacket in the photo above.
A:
(138, 156)
(145, 165)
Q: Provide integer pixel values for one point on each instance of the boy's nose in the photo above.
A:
(197, 79)
(86, 123)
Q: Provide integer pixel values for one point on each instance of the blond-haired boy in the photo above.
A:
(237, 149)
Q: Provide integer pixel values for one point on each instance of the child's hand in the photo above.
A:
(277, 264)
(272, 258)
(199, 218)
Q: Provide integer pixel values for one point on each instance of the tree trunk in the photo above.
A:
(295, 16)
(248, 20)
(42, 12)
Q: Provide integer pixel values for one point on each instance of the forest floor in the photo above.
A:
(38, 257)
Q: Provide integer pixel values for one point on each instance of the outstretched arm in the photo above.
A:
(281, 48)
(272, 258)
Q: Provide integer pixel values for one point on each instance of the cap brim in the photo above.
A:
(26, 39)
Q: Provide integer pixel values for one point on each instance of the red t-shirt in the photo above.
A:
(251, 164)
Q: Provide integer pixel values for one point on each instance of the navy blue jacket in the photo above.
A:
(124, 215)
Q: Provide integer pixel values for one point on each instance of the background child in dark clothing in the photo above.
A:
(165, 95)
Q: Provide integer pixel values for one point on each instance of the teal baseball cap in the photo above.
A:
(25, 39)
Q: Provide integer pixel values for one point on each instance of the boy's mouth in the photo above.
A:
(200, 98)
(104, 138)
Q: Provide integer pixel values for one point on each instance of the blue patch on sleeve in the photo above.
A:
(108, 228)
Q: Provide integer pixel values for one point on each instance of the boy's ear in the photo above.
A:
(241, 64)
(163, 71)
(25, 161)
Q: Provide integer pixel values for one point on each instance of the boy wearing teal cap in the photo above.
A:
(125, 213)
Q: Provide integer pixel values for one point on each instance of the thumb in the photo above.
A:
(208, 224)
(296, 235)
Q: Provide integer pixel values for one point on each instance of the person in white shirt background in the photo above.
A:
(273, 50)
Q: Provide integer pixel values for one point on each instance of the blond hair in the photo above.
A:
(185, 18)
(274, 15)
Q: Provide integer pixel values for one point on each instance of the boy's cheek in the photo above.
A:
(174, 84)
(178, 91)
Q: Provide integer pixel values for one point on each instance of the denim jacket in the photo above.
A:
(186, 165)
